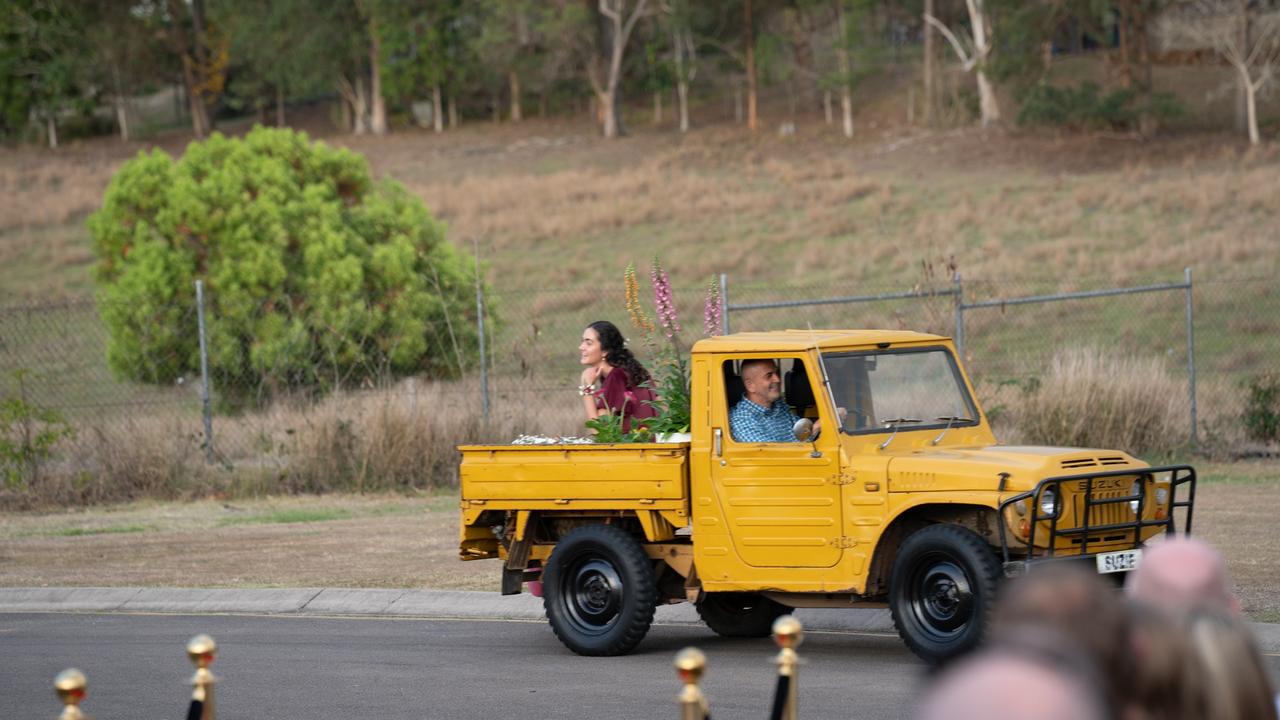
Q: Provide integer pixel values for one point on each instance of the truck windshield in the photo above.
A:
(911, 388)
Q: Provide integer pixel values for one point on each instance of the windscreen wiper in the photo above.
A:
(951, 420)
(896, 424)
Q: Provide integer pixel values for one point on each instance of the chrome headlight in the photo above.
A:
(1020, 507)
(1048, 503)
(1135, 489)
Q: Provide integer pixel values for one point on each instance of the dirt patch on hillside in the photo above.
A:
(412, 543)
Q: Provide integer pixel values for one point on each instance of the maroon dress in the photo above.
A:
(616, 390)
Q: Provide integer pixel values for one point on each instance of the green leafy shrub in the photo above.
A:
(608, 429)
(317, 276)
(1262, 409)
(27, 436)
(1088, 107)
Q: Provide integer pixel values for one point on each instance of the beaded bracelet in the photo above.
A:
(584, 390)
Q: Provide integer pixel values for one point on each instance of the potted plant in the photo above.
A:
(670, 381)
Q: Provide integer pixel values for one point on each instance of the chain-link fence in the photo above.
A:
(360, 420)
(1211, 336)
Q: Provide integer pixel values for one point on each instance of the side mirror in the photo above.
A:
(803, 429)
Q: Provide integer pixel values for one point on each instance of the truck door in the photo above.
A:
(780, 500)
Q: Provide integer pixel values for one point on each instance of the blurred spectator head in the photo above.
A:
(1000, 684)
(1072, 604)
(1235, 684)
(1163, 679)
(1183, 572)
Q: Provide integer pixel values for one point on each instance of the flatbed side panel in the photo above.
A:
(574, 472)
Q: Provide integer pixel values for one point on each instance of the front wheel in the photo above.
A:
(740, 614)
(941, 591)
(599, 591)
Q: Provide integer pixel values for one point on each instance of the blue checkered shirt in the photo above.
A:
(751, 423)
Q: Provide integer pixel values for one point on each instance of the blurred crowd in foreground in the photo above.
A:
(1065, 646)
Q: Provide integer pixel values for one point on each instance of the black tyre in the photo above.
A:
(740, 614)
(941, 591)
(598, 591)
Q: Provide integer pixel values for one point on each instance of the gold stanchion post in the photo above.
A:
(70, 686)
(788, 633)
(690, 662)
(202, 650)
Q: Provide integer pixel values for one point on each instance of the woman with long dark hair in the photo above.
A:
(613, 381)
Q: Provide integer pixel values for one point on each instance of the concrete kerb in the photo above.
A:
(398, 603)
(362, 602)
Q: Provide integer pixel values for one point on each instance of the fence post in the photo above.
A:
(959, 290)
(724, 304)
(205, 406)
(484, 366)
(1191, 362)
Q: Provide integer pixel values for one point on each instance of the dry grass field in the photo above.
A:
(551, 205)
(411, 541)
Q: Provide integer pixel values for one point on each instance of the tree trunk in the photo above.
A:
(930, 69)
(202, 62)
(846, 110)
(657, 107)
(181, 46)
(682, 97)
(1242, 91)
(846, 73)
(361, 107)
(826, 107)
(1251, 100)
(122, 108)
(199, 115)
(682, 78)
(614, 30)
(51, 130)
(737, 103)
(517, 113)
(437, 110)
(608, 116)
(987, 103)
(454, 116)
(496, 103)
(280, 105)
(378, 111)
(749, 39)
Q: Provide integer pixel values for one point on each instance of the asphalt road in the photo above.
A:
(343, 668)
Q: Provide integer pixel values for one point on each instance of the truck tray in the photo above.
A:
(574, 472)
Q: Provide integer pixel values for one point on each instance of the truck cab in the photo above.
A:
(903, 499)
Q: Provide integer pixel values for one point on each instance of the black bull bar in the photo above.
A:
(1086, 499)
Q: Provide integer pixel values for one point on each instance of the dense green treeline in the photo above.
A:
(79, 63)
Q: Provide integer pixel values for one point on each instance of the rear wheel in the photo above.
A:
(737, 614)
(941, 591)
(598, 591)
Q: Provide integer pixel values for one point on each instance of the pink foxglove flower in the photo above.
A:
(662, 299)
(712, 310)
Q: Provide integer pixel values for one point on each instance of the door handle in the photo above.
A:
(718, 445)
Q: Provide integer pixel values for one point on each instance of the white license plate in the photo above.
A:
(1122, 561)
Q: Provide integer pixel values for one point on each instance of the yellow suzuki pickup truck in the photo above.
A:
(903, 499)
